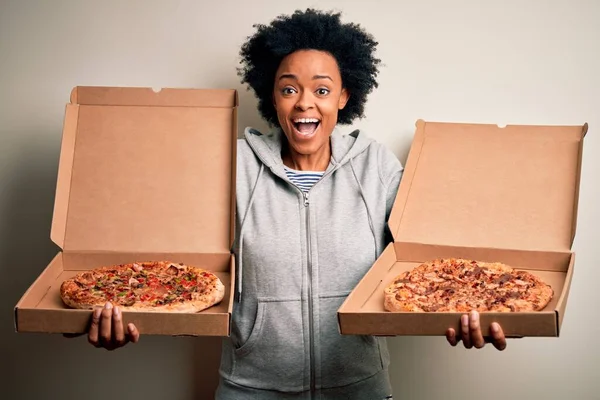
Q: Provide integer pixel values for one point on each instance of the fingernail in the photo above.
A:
(494, 327)
(117, 311)
(464, 319)
(130, 327)
(474, 316)
(108, 306)
(97, 312)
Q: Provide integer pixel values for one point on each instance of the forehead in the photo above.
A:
(305, 64)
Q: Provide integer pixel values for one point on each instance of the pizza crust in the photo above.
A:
(461, 285)
(77, 291)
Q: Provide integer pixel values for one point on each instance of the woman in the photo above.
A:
(312, 207)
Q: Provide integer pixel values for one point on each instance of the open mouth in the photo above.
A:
(306, 127)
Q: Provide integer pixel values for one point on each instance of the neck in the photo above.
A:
(318, 161)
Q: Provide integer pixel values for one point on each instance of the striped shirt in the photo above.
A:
(303, 179)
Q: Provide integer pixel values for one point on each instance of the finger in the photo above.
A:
(106, 326)
(119, 338)
(475, 330)
(464, 329)
(499, 341)
(134, 335)
(93, 334)
(451, 337)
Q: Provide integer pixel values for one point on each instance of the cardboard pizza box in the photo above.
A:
(143, 175)
(478, 191)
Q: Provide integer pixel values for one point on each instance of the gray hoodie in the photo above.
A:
(298, 257)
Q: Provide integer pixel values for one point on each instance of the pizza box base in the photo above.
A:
(41, 309)
(363, 314)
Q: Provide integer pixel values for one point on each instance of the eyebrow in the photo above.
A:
(315, 77)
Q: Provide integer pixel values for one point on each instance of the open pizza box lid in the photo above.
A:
(483, 192)
(143, 174)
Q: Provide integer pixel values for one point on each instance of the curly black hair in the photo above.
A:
(348, 43)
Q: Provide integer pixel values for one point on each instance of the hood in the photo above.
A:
(267, 147)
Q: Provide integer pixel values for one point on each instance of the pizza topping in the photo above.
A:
(463, 285)
(172, 270)
(430, 290)
(503, 279)
(435, 278)
(87, 277)
(143, 285)
(129, 301)
(81, 284)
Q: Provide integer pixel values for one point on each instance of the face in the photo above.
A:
(308, 94)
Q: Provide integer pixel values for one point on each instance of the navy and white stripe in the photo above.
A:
(303, 179)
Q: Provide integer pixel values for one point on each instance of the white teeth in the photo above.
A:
(306, 120)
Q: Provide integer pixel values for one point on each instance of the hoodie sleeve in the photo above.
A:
(390, 170)
(392, 190)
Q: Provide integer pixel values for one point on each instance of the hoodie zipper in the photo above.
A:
(309, 267)
(311, 329)
(310, 297)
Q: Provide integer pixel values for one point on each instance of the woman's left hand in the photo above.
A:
(470, 333)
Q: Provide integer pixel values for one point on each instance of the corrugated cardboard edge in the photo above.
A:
(577, 183)
(231, 293)
(233, 171)
(63, 184)
(143, 96)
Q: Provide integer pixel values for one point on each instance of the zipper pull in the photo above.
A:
(305, 199)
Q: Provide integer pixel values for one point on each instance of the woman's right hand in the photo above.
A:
(107, 329)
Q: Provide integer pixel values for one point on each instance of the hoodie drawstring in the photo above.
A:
(241, 243)
(362, 195)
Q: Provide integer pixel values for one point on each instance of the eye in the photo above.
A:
(286, 91)
(322, 91)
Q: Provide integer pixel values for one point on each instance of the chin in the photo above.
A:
(306, 148)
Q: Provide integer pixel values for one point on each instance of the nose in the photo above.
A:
(305, 101)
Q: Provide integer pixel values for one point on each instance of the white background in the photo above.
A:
(517, 62)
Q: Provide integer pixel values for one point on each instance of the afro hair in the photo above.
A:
(348, 43)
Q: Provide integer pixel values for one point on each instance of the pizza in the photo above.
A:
(461, 285)
(144, 286)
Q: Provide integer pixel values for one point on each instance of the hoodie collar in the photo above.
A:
(267, 147)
